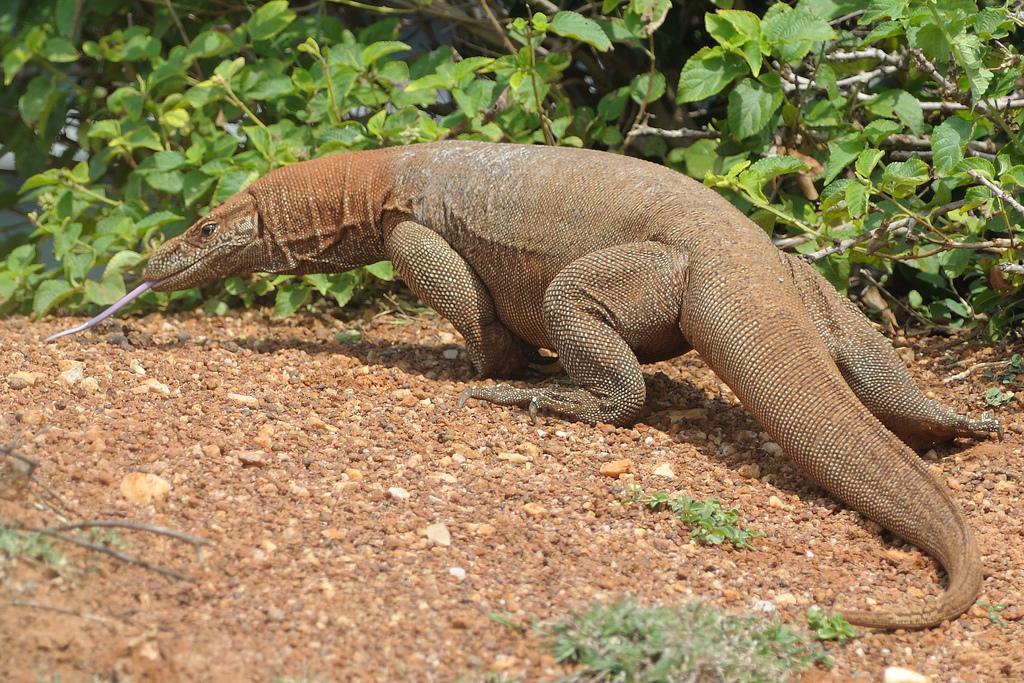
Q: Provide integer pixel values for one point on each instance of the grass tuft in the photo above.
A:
(626, 641)
(15, 543)
(712, 524)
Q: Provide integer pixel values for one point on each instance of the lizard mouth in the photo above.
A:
(180, 279)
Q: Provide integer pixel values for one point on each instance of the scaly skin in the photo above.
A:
(613, 262)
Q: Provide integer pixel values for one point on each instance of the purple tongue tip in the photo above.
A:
(114, 308)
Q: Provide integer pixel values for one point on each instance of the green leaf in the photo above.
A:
(901, 178)
(66, 11)
(14, 59)
(59, 50)
(967, 49)
(901, 105)
(573, 25)
(269, 20)
(170, 182)
(121, 262)
(883, 9)
(106, 291)
(738, 31)
(751, 105)
(126, 100)
(857, 196)
(371, 53)
(867, 160)
(382, 270)
(194, 186)
(643, 86)
(175, 118)
(707, 73)
(289, 299)
(948, 142)
(761, 171)
(40, 97)
(793, 33)
(49, 294)
(840, 153)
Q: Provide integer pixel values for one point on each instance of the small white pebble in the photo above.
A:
(450, 354)
(664, 470)
(766, 606)
(458, 572)
(398, 493)
(897, 674)
(649, 441)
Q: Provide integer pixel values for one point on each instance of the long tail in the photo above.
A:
(749, 325)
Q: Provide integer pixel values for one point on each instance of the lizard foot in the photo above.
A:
(923, 435)
(507, 395)
(985, 426)
(571, 402)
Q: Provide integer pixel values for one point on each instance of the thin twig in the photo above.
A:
(794, 241)
(125, 524)
(498, 27)
(925, 142)
(641, 114)
(977, 366)
(59, 610)
(997, 191)
(867, 76)
(128, 559)
(684, 133)
(868, 53)
(545, 5)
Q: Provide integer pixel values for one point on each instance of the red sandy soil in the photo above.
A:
(316, 466)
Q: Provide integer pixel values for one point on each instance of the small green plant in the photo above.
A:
(626, 641)
(828, 626)
(106, 538)
(1014, 367)
(996, 397)
(505, 619)
(16, 543)
(712, 524)
(992, 611)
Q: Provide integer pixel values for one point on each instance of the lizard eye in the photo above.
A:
(207, 229)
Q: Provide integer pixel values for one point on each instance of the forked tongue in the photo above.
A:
(114, 308)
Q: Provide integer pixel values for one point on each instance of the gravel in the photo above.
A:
(318, 467)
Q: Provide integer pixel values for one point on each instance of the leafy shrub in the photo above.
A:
(880, 139)
(630, 642)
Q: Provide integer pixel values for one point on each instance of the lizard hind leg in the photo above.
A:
(601, 312)
(874, 371)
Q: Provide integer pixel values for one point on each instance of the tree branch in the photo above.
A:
(676, 133)
(997, 191)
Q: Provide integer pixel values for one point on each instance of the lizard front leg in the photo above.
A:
(874, 371)
(438, 275)
(601, 311)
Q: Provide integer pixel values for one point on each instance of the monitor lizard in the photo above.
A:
(612, 262)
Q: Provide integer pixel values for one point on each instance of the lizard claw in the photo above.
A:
(463, 397)
(987, 425)
(534, 408)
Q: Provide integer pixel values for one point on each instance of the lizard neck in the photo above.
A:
(322, 216)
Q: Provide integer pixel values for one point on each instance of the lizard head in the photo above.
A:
(213, 247)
